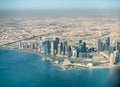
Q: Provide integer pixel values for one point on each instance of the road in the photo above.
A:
(32, 37)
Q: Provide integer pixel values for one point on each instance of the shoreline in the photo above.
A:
(61, 66)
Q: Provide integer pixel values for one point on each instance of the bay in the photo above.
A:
(23, 69)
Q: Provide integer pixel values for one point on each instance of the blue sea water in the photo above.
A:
(23, 69)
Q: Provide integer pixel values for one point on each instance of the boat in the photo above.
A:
(43, 58)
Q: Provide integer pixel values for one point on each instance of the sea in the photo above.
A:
(24, 69)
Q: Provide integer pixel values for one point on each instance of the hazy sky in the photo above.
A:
(58, 4)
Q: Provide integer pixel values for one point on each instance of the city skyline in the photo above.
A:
(58, 4)
(59, 43)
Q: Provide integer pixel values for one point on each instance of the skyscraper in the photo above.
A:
(79, 43)
(64, 48)
(107, 43)
(21, 45)
(84, 55)
(69, 51)
(41, 46)
(112, 59)
(56, 42)
(110, 49)
(44, 47)
(74, 53)
(39, 39)
(77, 51)
(61, 46)
(116, 56)
(118, 49)
(118, 46)
(99, 45)
(83, 47)
(59, 50)
(103, 46)
(47, 47)
(52, 48)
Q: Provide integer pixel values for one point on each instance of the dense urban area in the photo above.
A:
(70, 42)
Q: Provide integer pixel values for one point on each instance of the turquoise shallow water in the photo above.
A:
(22, 69)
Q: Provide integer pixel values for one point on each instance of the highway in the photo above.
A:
(32, 37)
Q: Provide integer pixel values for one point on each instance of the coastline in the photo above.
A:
(60, 65)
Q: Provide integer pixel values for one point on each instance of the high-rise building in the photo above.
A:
(112, 59)
(99, 45)
(103, 47)
(59, 50)
(116, 56)
(41, 46)
(65, 47)
(31, 46)
(111, 49)
(52, 48)
(84, 55)
(107, 43)
(39, 40)
(79, 43)
(56, 42)
(47, 47)
(61, 46)
(80, 55)
(69, 51)
(118, 46)
(26, 45)
(89, 55)
(77, 51)
(74, 53)
(79, 48)
(44, 47)
(35, 45)
(21, 45)
(83, 47)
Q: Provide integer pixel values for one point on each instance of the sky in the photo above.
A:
(58, 4)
